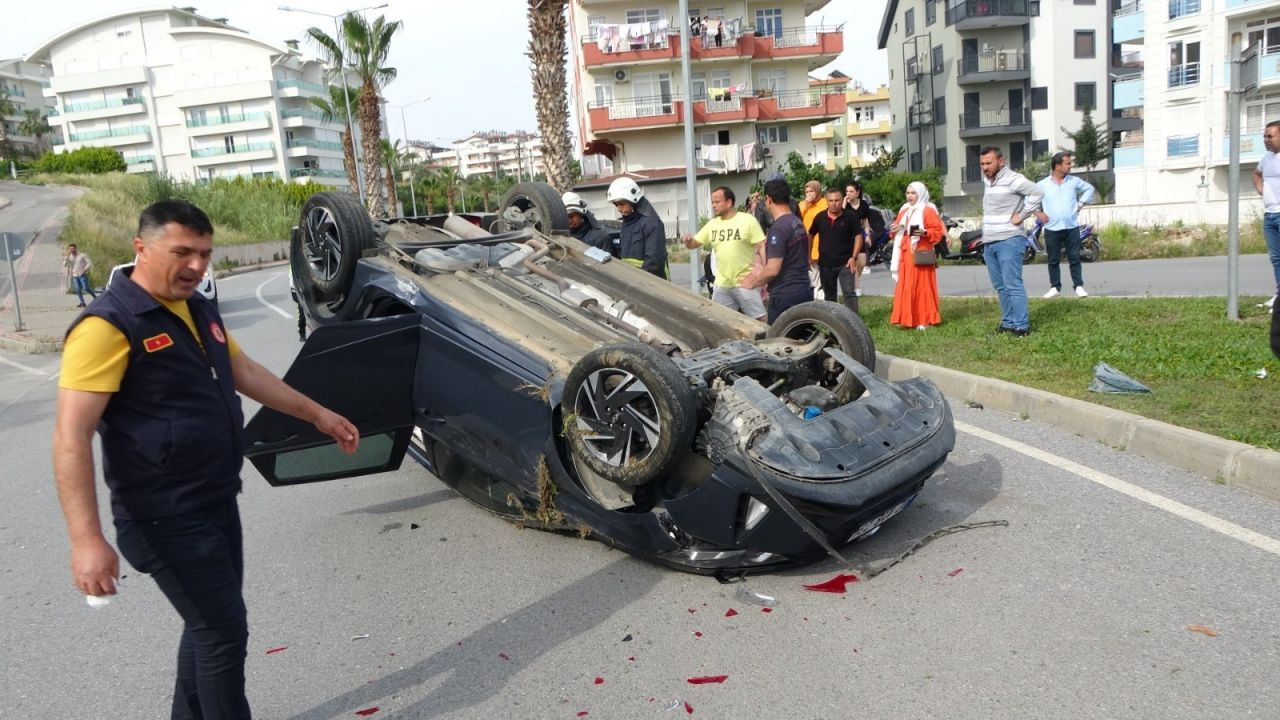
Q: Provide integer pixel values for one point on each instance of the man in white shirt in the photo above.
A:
(1266, 180)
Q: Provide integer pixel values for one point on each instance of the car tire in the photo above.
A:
(334, 231)
(1090, 250)
(847, 332)
(532, 204)
(632, 440)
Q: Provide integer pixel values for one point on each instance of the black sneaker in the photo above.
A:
(1004, 329)
(1021, 333)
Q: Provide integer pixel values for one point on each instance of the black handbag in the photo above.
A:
(925, 257)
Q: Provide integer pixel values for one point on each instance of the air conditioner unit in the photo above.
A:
(622, 75)
(986, 47)
(1002, 61)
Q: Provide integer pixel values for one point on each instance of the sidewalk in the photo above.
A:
(47, 311)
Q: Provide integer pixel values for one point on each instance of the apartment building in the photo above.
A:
(853, 139)
(1016, 74)
(752, 100)
(1172, 89)
(518, 154)
(194, 97)
(23, 84)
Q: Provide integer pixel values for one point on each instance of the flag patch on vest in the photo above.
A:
(157, 342)
(216, 330)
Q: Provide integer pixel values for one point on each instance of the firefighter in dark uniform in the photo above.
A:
(644, 238)
(150, 367)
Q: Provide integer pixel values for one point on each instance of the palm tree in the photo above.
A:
(431, 189)
(547, 50)
(7, 108)
(449, 178)
(33, 123)
(363, 49)
(486, 185)
(393, 157)
(333, 111)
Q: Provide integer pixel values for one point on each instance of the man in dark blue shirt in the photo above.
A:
(786, 270)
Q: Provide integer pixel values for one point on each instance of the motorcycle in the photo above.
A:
(882, 249)
(1090, 243)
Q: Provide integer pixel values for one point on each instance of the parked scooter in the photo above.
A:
(882, 251)
(1090, 243)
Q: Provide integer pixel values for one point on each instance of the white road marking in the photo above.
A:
(24, 368)
(258, 293)
(1230, 529)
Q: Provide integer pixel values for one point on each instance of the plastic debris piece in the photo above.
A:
(730, 612)
(1261, 374)
(1107, 379)
(755, 598)
(692, 611)
(674, 704)
(688, 709)
(367, 711)
(504, 656)
(583, 713)
(97, 601)
(836, 584)
(414, 526)
(955, 572)
(362, 636)
(626, 638)
(274, 650)
(599, 680)
(697, 633)
(707, 679)
(973, 404)
(766, 610)
(1203, 629)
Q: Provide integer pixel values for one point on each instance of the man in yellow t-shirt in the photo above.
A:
(735, 239)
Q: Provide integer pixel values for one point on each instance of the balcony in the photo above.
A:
(1125, 120)
(1183, 8)
(821, 44)
(1268, 71)
(1129, 23)
(1130, 61)
(227, 124)
(299, 117)
(1128, 92)
(140, 164)
(917, 119)
(1251, 148)
(636, 113)
(103, 109)
(1003, 121)
(764, 105)
(983, 14)
(1182, 146)
(1184, 76)
(13, 91)
(800, 104)
(1000, 66)
(1127, 155)
(326, 176)
(300, 147)
(121, 136)
(300, 88)
(234, 153)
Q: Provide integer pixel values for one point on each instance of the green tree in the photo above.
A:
(7, 108)
(449, 182)
(485, 186)
(363, 49)
(547, 51)
(335, 109)
(36, 124)
(1091, 141)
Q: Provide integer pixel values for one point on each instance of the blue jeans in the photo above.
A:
(1004, 265)
(80, 284)
(1054, 240)
(1271, 231)
(197, 560)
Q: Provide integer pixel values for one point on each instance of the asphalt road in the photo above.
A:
(31, 207)
(1083, 607)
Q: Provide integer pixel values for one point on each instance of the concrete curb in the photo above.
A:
(1227, 461)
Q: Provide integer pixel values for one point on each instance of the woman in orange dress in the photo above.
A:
(917, 227)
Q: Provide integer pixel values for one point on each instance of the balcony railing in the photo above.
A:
(53, 112)
(1185, 75)
(795, 99)
(227, 119)
(246, 148)
(140, 159)
(802, 36)
(995, 118)
(986, 9)
(1128, 8)
(101, 134)
(1182, 145)
(1127, 60)
(999, 61)
(13, 91)
(731, 104)
(317, 172)
(301, 85)
(1183, 8)
(639, 107)
(100, 105)
(318, 144)
(302, 113)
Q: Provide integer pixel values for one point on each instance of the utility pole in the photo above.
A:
(690, 162)
(1244, 78)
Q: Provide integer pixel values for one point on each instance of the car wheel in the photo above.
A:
(630, 413)
(532, 204)
(333, 231)
(1090, 250)
(844, 331)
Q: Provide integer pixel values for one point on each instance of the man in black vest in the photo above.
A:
(150, 368)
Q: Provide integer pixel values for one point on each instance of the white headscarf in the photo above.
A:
(908, 215)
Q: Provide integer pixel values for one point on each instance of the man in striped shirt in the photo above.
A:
(1008, 198)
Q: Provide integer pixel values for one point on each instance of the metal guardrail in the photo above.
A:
(998, 61)
(802, 36)
(302, 113)
(1128, 8)
(1183, 8)
(301, 85)
(227, 119)
(316, 172)
(246, 148)
(140, 159)
(1184, 75)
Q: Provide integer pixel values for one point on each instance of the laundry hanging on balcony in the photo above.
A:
(632, 36)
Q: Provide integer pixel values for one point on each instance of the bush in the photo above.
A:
(88, 160)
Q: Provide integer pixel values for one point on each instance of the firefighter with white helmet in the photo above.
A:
(584, 226)
(644, 238)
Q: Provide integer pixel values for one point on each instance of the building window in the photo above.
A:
(698, 84)
(1183, 8)
(935, 59)
(909, 22)
(1183, 145)
(915, 162)
(1039, 148)
(645, 15)
(773, 134)
(1085, 2)
(769, 22)
(1039, 98)
(1086, 96)
(940, 111)
(940, 159)
(1184, 64)
(913, 69)
(930, 11)
(864, 114)
(837, 149)
(1265, 32)
(1086, 45)
(774, 80)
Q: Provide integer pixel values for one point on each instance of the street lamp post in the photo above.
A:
(413, 196)
(346, 93)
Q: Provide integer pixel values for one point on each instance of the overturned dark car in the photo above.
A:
(563, 390)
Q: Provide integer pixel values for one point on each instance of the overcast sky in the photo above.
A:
(468, 57)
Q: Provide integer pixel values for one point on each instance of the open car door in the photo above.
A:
(364, 370)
